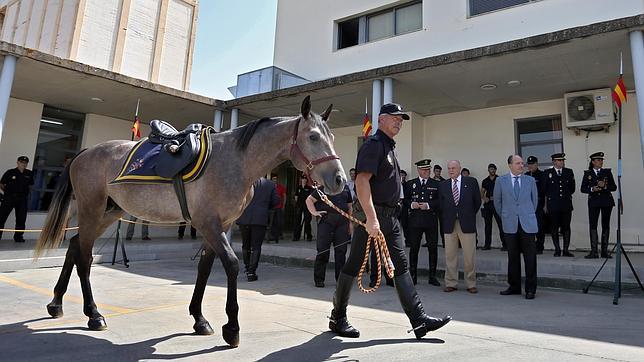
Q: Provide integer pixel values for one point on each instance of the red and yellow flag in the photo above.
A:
(366, 126)
(619, 93)
(136, 128)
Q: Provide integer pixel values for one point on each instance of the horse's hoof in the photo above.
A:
(97, 324)
(231, 335)
(203, 329)
(56, 311)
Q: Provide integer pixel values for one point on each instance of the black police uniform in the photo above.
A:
(600, 201)
(333, 228)
(541, 220)
(302, 214)
(440, 218)
(423, 222)
(558, 188)
(404, 215)
(16, 194)
(488, 211)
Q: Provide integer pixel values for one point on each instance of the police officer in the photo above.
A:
(558, 187)
(333, 228)
(534, 171)
(488, 211)
(422, 203)
(404, 212)
(378, 187)
(598, 183)
(437, 176)
(15, 184)
(302, 214)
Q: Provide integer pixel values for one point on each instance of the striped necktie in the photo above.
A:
(455, 193)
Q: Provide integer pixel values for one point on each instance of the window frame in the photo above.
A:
(469, 8)
(554, 141)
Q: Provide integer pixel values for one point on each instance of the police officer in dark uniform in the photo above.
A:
(378, 187)
(422, 203)
(598, 183)
(404, 213)
(558, 188)
(488, 211)
(302, 214)
(333, 229)
(534, 171)
(15, 184)
(437, 176)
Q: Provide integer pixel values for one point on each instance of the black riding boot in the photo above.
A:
(555, 242)
(605, 235)
(433, 261)
(246, 258)
(251, 274)
(413, 307)
(566, 242)
(593, 245)
(339, 322)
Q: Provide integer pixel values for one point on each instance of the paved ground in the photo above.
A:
(283, 318)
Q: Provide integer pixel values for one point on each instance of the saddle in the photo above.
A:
(180, 148)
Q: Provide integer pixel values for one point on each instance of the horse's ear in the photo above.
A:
(327, 113)
(306, 107)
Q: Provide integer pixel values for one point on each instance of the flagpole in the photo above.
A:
(617, 290)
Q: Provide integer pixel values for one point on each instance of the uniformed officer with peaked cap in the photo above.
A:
(15, 185)
(558, 188)
(598, 183)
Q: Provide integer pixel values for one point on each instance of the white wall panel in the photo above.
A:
(66, 28)
(99, 32)
(176, 40)
(49, 26)
(35, 24)
(21, 25)
(140, 38)
(9, 21)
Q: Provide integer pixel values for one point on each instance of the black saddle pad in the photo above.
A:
(141, 163)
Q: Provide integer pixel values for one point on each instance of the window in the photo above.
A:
(380, 25)
(59, 139)
(478, 7)
(540, 137)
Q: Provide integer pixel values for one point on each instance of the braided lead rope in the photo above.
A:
(379, 245)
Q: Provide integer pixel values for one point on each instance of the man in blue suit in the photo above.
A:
(516, 199)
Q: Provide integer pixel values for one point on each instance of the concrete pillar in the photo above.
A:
(234, 118)
(375, 104)
(388, 93)
(218, 119)
(6, 82)
(637, 54)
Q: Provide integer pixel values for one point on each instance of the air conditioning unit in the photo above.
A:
(591, 108)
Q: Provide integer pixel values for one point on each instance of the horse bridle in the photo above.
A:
(295, 150)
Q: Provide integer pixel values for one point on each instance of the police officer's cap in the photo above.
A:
(491, 166)
(393, 109)
(532, 160)
(597, 156)
(425, 164)
(558, 156)
(23, 159)
(438, 167)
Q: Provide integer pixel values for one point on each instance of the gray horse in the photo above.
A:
(215, 201)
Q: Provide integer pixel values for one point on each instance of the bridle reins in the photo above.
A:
(296, 152)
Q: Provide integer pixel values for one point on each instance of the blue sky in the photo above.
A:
(233, 37)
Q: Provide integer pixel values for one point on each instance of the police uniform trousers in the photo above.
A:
(488, 213)
(390, 227)
(302, 216)
(542, 223)
(593, 218)
(9, 203)
(252, 239)
(430, 230)
(276, 222)
(333, 229)
(560, 220)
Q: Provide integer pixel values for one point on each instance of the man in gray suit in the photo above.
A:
(516, 199)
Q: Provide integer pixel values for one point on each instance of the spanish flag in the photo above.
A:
(136, 128)
(366, 122)
(619, 93)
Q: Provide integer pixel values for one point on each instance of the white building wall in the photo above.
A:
(20, 132)
(176, 44)
(99, 32)
(304, 36)
(140, 40)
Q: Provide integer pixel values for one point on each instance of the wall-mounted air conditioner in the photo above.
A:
(588, 109)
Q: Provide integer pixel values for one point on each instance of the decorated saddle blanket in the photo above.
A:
(150, 162)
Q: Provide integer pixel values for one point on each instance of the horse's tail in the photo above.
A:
(54, 229)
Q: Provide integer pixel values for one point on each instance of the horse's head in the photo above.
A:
(312, 150)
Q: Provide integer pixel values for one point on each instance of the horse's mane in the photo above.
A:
(246, 132)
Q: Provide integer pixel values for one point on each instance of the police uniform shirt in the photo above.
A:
(558, 189)
(341, 200)
(538, 179)
(376, 156)
(488, 186)
(302, 193)
(603, 197)
(423, 193)
(17, 183)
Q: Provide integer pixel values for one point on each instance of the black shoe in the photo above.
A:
(19, 240)
(319, 284)
(180, 237)
(251, 277)
(539, 252)
(529, 295)
(309, 238)
(295, 239)
(128, 238)
(503, 248)
(568, 254)
(486, 248)
(146, 238)
(193, 237)
(591, 256)
(510, 292)
(606, 256)
(557, 253)
(433, 281)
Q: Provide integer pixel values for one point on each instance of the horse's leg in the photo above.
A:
(55, 307)
(201, 326)
(216, 239)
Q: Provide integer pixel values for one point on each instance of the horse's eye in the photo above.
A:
(314, 137)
